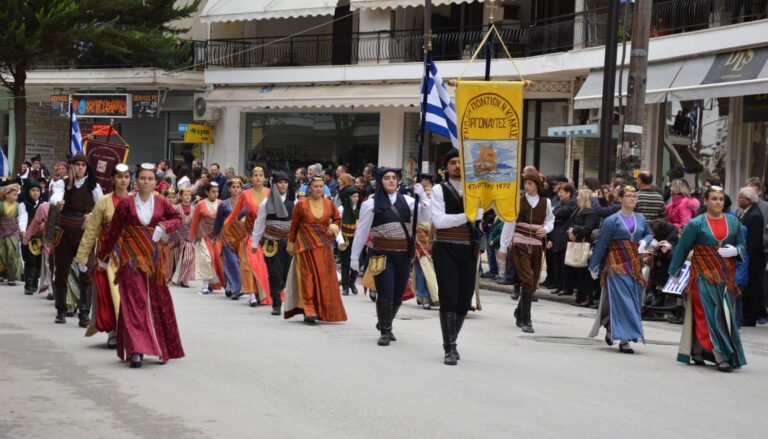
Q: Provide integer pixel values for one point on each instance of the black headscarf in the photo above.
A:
(276, 206)
(381, 201)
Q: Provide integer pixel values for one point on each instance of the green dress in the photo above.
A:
(716, 301)
(9, 240)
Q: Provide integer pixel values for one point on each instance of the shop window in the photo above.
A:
(546, 153)
(290, 140)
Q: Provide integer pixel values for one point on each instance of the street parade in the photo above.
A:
(463, 235)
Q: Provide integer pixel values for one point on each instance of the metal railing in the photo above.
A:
(556, 34)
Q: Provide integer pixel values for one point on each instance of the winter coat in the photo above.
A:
(584, 222)
(681, 209)
(559, 235)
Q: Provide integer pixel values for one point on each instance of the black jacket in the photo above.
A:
(559, 234)
(584, 222)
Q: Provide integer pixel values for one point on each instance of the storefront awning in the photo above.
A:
(245, 10)
(392, 4)
(738, 73)
(660, 77)
(317, 96)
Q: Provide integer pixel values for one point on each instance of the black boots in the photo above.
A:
(28, 272)
(344, 281)
(60, 317)
(277, 303)
(352, 279)
(385, 313)
(449, 327)
(516, 292)
(523, 312)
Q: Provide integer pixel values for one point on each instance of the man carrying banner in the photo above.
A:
(454, 252)
(524, 237)
(74, 198)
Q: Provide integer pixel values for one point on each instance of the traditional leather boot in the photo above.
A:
(84, 307)
(384, 313)
(449, 345)
(344, 282)
(525, 311)
(352, 279)
(35, 278)
(515, 292)
(60, 317)
(459, 323)
(28, 279)
(277, 303)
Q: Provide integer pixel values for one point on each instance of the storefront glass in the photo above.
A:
(290, 140)
(546, 153)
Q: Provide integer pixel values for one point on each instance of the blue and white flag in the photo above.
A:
(677, 288)
(5, 167)
(76, 139)
(440, 111)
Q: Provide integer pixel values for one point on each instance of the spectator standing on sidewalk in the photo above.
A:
(584, 221)
(650, 202)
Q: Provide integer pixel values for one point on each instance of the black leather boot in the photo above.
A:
(384, 313)
(35, 278)
(459, 323)
(344, 282)
(84, 306)
(277, 303)
(395, 309)
(352, 279)
(60, 317)
(449, 343)
(28, 280)
(525, 311)
(515, 291)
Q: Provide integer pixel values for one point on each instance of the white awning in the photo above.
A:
(316, 96)
(392, 4)
(246, 10)
(737, 73)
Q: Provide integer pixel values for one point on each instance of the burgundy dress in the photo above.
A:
(147, 321)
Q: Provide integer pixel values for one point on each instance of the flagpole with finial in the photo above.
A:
(489, 44)
(424, 98)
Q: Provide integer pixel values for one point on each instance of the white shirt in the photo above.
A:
(366, 220)
(59, 187)
(443, 220)
(508, 231)
(260, 224)
(144, 209)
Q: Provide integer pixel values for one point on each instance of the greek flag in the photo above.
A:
(440, 111)
(672, 287)
(76, 140)
(5, 167)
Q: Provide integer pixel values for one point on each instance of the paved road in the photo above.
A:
(250, 374)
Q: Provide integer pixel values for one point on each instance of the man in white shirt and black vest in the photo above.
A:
(525, 237)
(454, 252)
(273, 222)
(73, 198)
(387, 219)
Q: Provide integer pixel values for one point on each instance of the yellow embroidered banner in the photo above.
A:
(490, 118)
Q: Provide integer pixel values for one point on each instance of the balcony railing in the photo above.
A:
(557, 34)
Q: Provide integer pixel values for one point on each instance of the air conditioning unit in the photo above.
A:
(594, 114)
(203, 111)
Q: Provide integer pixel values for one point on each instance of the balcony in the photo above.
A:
(553, 35)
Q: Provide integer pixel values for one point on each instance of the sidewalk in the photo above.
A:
(541, 293)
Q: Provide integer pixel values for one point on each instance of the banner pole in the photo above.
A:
(424, 99)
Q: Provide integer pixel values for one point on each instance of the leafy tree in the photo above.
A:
(80, 32)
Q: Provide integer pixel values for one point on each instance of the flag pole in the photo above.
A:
(424, 99)
(70, 125)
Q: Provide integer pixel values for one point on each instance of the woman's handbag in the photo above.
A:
(577, 254)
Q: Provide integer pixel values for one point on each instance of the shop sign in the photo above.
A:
(145, 105)
(59, 105)
(108, 105)
(756, 108)
(47, 153)
(197, 133)
(490, 118)
(739, 65)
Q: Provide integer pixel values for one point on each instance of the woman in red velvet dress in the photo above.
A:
(147, 321)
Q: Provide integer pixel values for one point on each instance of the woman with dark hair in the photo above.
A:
(207, 252)
(106, 298)
(230, 236)
(616, 259)
(182, 248)
(147, 321)
(31, 255)
(350, 212)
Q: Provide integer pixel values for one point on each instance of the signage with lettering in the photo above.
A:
(47, 153)
(197, 133)
(103, 157)
(739, 65)
(108, 105)
(145, 105)
(756, 108)
(59, 106)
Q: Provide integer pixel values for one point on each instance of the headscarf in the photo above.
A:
(275, 205)
(351, 212)
(381, 201)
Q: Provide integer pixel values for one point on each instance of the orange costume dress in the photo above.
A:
(315, 289)
(253, 268)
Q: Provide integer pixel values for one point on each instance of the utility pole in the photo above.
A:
(628, 163)
(609, 86)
